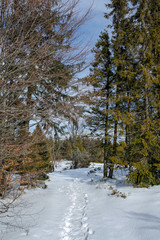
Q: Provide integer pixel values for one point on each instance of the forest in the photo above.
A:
(43, 105)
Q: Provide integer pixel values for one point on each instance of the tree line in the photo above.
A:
(40, 57)
(125, 101)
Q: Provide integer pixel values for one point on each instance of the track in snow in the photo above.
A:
(75, 223)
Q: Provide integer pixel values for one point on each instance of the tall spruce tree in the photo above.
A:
(135, 49)
(101, 79)
(145, 45)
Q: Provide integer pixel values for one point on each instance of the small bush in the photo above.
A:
(42, 176)
(141, 176)
(117, 193)
(79, 159)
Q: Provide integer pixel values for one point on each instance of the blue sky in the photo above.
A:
(95, 24)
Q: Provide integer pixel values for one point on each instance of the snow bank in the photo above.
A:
(78, 205)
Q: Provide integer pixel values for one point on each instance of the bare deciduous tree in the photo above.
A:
(39, 55)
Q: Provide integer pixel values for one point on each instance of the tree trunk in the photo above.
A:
(106, 139)
(146, 102)
(2, 183)
(127, 137)
(105, 154)
(114, 139)
(114, 148)
(29, 97)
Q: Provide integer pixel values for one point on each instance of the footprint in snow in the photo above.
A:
(75, 224)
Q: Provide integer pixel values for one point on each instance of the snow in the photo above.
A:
(78, 205)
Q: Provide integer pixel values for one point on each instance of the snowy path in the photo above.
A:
(78, 206)
(75, 224)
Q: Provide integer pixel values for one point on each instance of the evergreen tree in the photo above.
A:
(102, 80)
(144, 147)
(134, 63)
(40, 155)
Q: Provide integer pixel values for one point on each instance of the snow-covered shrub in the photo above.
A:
(79, 159)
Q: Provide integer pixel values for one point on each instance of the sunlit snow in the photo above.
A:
(78, 205)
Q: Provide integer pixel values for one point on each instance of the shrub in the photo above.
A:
(79, 159)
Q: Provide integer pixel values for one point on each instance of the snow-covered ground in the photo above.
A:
(77, 205)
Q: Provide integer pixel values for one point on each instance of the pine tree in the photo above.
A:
(101, 79)
(36, 161)
(134, 49)
(145, 45)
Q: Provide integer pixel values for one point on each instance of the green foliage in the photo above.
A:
(93, 147)
(40, 155)
(141, 175)
(38, 160)
(129, 64)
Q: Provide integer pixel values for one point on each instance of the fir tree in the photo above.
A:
(101, 79)
(134, 63)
